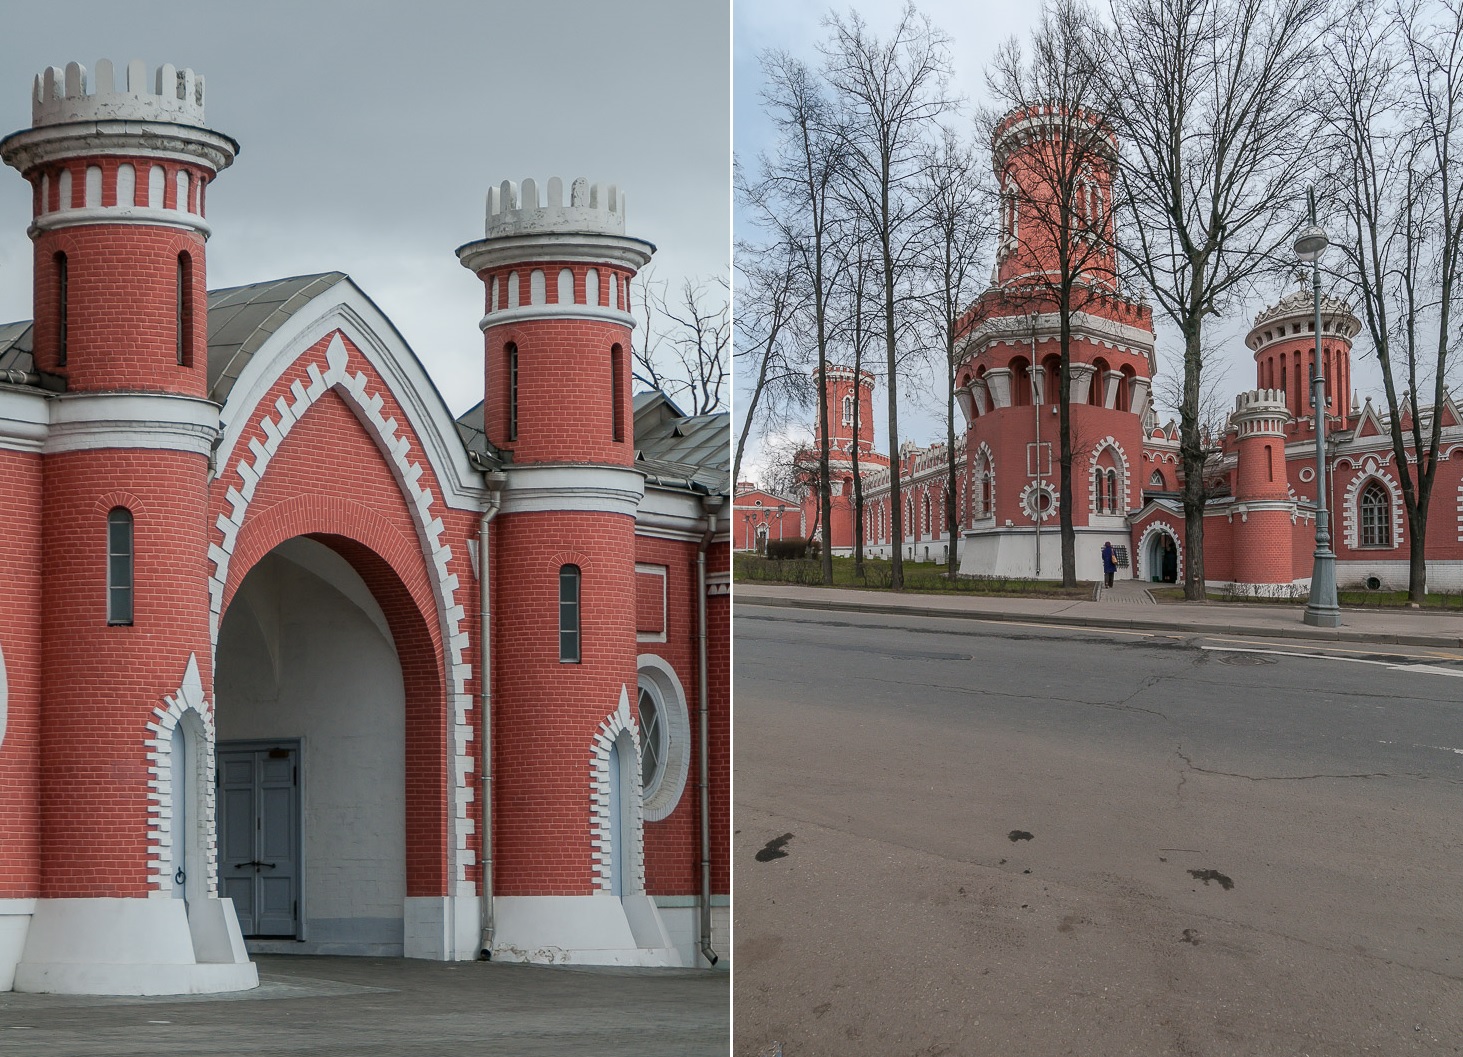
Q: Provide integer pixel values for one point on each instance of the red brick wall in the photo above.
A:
(546, 713)
(20, 642)
(101, 683)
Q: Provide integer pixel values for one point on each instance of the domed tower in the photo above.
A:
(1283, 340)
(557, 403)
(1262, 543)
(1055, 171)
(119, 170)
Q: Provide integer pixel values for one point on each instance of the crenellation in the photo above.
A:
(62, 96)
(516, 209)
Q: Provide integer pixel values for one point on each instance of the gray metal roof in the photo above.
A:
(679, 450)
(242, 318)
(15, 346)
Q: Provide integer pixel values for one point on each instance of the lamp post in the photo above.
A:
(1322, 610)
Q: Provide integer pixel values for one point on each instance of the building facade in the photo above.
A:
(290, 659)
(1260, 517)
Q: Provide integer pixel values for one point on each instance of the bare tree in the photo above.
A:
(794, 198)
(891, 92)
(684, 350)
(769, 299)
(1206, 97)
(1393, 111)
(960, 214)
(1064, 156)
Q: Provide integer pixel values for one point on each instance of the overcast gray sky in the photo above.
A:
(976, 28)
(371, 130)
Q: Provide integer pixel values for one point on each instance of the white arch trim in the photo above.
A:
(408, 472)
(1370, 471)
(187, 708)
(1121, 458)
(677, 763)
(1158, 528)
(601, 759)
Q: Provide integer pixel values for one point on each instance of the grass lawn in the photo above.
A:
(919, 578)
(1349, 598)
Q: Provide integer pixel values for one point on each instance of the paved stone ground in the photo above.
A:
(376, 1006)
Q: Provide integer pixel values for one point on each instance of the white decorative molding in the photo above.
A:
(601, 759)
(572, 486)
(644, 569)
(1124, 476)
(1156, 528)
(528, 313)
(1371, 470)
(659, 802)
(186, 706)
(1027, 500)
(165, 218)
(396, 445)
(25, 419)
(165, 421)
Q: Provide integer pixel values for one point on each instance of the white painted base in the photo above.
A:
(683, 924)
(442, 928)
(134, 947)
(15, 917)
(582, 930)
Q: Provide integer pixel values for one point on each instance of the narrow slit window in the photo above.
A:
(569, 644)
(617, 392)
(185, 310)
(63, 296)
(119, 566)
(511, 356)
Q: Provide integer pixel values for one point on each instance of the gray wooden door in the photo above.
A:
(259, 836)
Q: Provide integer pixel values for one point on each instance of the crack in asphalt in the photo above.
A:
(1281, 777)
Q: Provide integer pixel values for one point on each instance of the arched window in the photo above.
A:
(185, 310)
(929, 516)
(510, 358)
(1112, 491)
(651, 712)
(1376, 516)
(617, 392)
(63, 299)
(1156, 481)
(848, 410)
(569, 644)
(119, 566)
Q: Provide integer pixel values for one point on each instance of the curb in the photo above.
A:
(1324, 634)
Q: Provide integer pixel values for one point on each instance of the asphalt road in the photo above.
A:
(957, 838)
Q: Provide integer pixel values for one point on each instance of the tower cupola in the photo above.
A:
(557, 326)
(1283, 340)
(119, 165)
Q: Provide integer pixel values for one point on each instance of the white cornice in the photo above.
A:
(1047, 326)
(165, 421)
(143, 139)
(524, 313)
(555, 487)
(677, 515)
(523, 251)
(70, 218)
(25, 419)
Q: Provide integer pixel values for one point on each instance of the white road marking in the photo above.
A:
(1425, 669)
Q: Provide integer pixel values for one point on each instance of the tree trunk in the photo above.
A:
(1064, 394)
(1191, 448)
(952, 504)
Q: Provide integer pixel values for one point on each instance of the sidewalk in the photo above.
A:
(1128, 605)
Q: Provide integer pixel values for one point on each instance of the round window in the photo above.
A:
(665, 737)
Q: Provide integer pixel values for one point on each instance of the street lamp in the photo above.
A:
(1322, 610)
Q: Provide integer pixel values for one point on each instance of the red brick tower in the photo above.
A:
(1263, 508)
(1283, 340)
(569, 866)
(843, 391)
(1010, 374)
(127, 879)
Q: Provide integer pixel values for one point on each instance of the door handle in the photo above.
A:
(254, 863)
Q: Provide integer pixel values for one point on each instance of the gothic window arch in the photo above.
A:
(848, 409)
(1374, 508)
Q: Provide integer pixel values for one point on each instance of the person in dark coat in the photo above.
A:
(1109, 563)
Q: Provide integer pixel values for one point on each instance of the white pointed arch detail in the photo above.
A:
(1371, 470)
(189, 709)
(1158, 528)
(601, 759)
(1124, 473)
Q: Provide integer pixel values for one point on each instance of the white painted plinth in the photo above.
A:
(15, 917)
(134, 947)
(582, 930)
(441, 928)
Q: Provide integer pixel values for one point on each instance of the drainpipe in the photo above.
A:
(15, 377)
(710, 503)
(495, 481)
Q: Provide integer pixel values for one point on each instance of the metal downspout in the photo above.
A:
(485, 684)
(711, 504)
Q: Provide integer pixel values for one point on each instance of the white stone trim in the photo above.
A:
(408, 472)
(345, 308)
(718, 584)
(601, 759)
(586, 248)
(640, 636)
(675, 514)
(1027, 500)
(159, 745)
(25, 419)
(1155, 528)
(529, 313)
(161, 218)
(1371, 470)
(572, 486)
(166, 421)
(1124, 474)
(661, 801)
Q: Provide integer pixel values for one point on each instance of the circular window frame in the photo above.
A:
(662, 798)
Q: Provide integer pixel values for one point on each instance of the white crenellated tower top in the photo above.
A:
(63, 96)
(515, 209)
(1260, 411)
